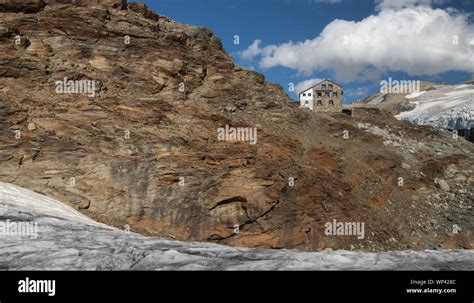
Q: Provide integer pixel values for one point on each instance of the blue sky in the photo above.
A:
(276, 22)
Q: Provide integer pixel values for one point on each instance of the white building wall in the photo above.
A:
(307, 99)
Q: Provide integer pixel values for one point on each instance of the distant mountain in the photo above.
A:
(395, 103)
(446, 106)
(469, 81)
(443, 106)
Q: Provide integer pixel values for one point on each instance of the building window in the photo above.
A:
(304, 95)
(323, 86)
(334, 94)
(327, 94)
(320, 102)
(306, 102)
(331, 103)
(309, 94)
(330, 86)
(320, 94)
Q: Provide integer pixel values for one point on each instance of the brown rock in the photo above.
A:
(147, 13)
(31, 126)
(120, 4)
(23, 6)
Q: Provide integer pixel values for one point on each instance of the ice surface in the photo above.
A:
(446, 107)
(68, 240)
(377, 100)
(415, 95)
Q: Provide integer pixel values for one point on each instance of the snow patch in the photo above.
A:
(377, 100)
(40, 205)
(415, 95)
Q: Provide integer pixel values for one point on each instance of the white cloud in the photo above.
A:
(255, 50)
(301, 86)
(416, 39)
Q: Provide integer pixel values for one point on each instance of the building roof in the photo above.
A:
(313, 85)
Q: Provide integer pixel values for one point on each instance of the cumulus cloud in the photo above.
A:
(415, 38)
(301, 86)
(255, 50)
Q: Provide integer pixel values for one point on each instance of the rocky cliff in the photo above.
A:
(116, 110)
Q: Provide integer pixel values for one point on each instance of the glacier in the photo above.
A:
(449, 107)
(68, 240)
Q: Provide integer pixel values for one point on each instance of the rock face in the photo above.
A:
(122, 4)
(133, 118)
(63, 239)
(34, 6)
(25, 6)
